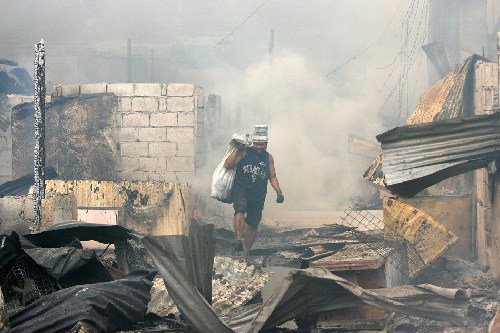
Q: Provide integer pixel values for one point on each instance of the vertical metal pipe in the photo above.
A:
(271, 42)
(129, 60)
(152, 66)
(39, 162)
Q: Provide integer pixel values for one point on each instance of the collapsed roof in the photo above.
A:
(420, 154)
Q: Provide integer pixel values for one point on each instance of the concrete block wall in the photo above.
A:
(6, 105)
(160, 128)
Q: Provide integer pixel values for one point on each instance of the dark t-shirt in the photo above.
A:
(252, 173)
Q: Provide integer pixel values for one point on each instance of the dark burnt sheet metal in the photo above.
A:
(68, 265)
(106, 307)
(64, 233)
(166, 252)
(418, 156)
(21, 186)
(28, 272)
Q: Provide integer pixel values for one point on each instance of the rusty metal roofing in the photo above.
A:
(418, 156)
(451, 97)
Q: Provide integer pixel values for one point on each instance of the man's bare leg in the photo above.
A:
(250, 235)
(239, 222)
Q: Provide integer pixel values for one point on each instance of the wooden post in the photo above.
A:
(39, 162)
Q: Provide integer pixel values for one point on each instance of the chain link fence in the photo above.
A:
(24, 281)
(381, 238)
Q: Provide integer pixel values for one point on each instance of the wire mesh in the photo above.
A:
(381, 238)
(23, 282)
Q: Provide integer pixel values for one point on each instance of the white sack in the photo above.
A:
(223, 178)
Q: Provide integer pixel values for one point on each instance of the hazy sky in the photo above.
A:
(326, 33)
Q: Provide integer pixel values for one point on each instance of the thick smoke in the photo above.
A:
(309, 113)
(310, 123)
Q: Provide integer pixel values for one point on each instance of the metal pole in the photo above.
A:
(39, 162)
(152, 65)
(271, 42)
(129, 60)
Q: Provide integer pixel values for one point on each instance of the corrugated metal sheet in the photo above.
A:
(451, 97)
(418, 156)
(106, 306)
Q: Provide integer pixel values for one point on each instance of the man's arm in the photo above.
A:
(273, 179)
(234, 158)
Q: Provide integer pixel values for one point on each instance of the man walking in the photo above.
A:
(254, 168)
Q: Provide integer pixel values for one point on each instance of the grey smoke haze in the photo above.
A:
(310, 114)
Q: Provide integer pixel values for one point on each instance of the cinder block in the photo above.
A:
(5, 170)
(159, 119)
(180, 104)
(70, 90)
(6, 156)
(92, 88)
(145, 104)
(180, 134)
(185, 118)
(128, 134)
(180, 89)
(185, 149)
(126, 104)
(164, 90)
(152, 134)
(136, 119)
(147, 89)
(137, 176)
(153, 164)
(163, 104)
(177, 163)
(129, 164)
(198, 91)
(134, 149)
(171, 177)
(162, 149)
(200, 101)
(200, 115)
(184, 177)
(3, 143)
(120, 89)
(157, 176)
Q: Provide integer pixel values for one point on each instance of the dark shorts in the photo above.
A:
(244, 202)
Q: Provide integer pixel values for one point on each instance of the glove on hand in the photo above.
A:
(280, 197)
